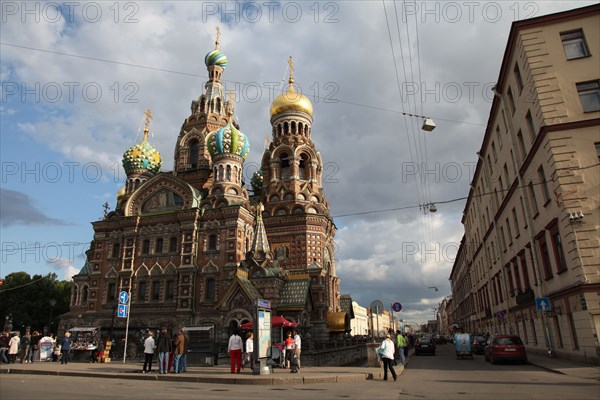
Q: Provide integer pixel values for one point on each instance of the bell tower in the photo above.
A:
(208, 113)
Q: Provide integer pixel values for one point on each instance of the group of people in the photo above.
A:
(235, 348)
(394, 347)
(172, 351)
(12, 345)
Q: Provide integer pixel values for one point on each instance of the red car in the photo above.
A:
(505, 348)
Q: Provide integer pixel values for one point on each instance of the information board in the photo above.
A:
(264, 333)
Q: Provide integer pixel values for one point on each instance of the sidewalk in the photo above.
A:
(221, 373)
(214, 374)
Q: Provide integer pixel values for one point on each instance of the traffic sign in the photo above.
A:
(122, 311)
(543, 303)
(397, 307)
(377, 306)
(123, 297)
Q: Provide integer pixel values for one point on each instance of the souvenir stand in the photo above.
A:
(84, 341)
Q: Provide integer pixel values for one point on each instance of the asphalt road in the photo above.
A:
(426, 377)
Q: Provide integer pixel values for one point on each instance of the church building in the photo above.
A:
(193, 248)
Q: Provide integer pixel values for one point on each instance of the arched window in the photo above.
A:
(285, 165)
(203, 105)
(304, 166)
(193, 157)
(84, 295)
(228, 174)
(218, 108)
(146, 247)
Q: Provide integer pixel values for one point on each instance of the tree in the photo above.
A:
(33, 301)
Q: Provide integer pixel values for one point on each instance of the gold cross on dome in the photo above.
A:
(291, 64)
(218, 37)
(148, 115)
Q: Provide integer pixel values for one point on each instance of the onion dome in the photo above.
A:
(142, 157)
(216, 57)
(121, 193)
(291, 100)
(228, 140)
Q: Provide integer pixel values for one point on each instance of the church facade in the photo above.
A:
(194, 248)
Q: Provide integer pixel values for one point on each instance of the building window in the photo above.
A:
(526, 282)
(170, 290)
(597, 145)
(531, 126)
(545, 255)
(543, 184)
(158, 246)
(498, 136)
(210, 289)
(506, 176)
(156, 290)
(111, 293)
(521, 143)
(509, 231)
(534, 206)
(518, 78)
(515, 222)
(559, 254)
(589, 95)
(574, 44)
(141, 292)
(502, 239)
(116, 249)
(494, 153)
(146, 247)
(194, 150)
(511, 100)
(212, 242)
(84, 295)
(173, 244)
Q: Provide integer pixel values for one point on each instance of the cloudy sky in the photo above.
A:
(77, 77)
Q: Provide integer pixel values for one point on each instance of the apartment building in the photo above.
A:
(529, 259)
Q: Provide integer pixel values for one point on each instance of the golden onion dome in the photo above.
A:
(121, 193)
(291, 100)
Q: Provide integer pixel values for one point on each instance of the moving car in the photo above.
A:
(425, 345)
(505, 348)
(479, 343)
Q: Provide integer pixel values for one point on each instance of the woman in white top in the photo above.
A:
(249, 348)
(387, 355)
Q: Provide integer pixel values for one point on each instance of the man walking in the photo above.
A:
(65, 348)
(401, 343)
(297, 346)
(163, 348)
(179, 347)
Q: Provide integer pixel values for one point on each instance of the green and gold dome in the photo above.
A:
(228, 140)
(142, 157)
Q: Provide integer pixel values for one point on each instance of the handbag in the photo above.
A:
(380, 352)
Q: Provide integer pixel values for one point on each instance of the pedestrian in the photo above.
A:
(387, 355)
(179, 348)
(186, 345)
(289, 349)
(401, 343)
(4, 339)
(164, 347)
(249, 349)
(297, 346)
(35, 343)
(65, 348)
(25, 346)
(13, 347)
(235, 352)
(149, 346)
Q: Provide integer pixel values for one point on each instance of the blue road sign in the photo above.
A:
(397, 307)
(123, 297)
(122, 311)
(543, 303)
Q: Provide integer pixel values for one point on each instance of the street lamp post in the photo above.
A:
(52, 304)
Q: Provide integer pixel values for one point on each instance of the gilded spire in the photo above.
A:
(291, 80)
(260, 244)
(218, 37)
(148, 114)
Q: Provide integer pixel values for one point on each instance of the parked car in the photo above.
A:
(505, 348)
(478, 345)
(425, 345)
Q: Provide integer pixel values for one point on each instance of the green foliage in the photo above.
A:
(29, 300)
(257, 183)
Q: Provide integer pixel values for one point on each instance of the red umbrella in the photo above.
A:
(277, 321)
